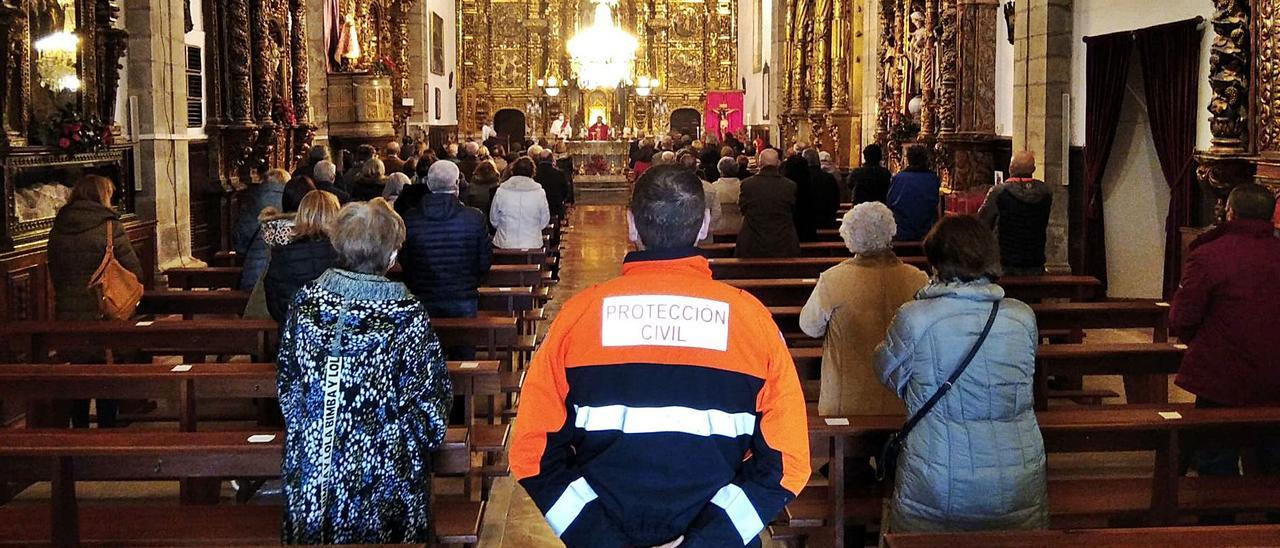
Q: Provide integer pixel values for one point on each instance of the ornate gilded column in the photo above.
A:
(798, 22)
(948, 51)
(840, 52)
(926, 69)
(821, 56)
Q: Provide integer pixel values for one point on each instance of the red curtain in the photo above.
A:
(1106, 71)
(1170, 57)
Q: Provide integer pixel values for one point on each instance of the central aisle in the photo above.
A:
(590, 254)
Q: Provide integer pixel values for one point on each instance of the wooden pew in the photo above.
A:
(228, 277)
(796, 291)
(186, 384)
(507, 300)
(1146, 537)
(64, 457)
(1159, 499)
(31, 341)
(1053, 316)
(536, 255)
(211, 277)
(1145, 367)
(824, 235)
(799, 267)
(812, 249)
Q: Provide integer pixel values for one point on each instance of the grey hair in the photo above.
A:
(395, 184)
(324, 172)
(365, 234)
(727, 166)
(443, 177)
(471, 148)
(535, 152)
(373, 169)
(868, 228)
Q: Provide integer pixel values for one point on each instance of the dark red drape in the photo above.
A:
(1106, 71)
(1170, 58)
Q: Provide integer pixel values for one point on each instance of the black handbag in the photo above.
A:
(888, 461)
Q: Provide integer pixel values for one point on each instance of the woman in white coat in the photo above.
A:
(519, 211)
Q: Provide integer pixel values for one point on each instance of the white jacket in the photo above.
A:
(519, 213)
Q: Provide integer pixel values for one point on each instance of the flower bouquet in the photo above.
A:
(70, 132)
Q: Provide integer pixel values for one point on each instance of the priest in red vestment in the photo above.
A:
(598, 131)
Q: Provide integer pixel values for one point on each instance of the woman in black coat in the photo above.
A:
(77, 245)
(306, 257)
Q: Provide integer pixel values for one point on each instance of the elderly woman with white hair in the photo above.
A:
(852, 305)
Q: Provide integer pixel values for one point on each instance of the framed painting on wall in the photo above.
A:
(437, 103)
(437, 44)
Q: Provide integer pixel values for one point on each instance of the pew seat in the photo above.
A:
(1149, 537)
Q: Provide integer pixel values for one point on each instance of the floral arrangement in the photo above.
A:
(384, 66)
(69, 131)
(905, 129)
(283, 114)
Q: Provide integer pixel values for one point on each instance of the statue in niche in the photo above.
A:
(348, 50)
(918, 60)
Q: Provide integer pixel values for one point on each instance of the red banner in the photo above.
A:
(724, 113)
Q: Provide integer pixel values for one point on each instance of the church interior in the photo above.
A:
(1140, 119)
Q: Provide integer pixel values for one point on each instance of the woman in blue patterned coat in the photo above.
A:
(365, 394)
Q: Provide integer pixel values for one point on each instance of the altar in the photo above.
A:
(599, 165)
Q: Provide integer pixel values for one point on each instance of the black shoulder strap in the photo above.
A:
(946, 386)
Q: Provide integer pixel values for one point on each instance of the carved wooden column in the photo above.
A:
(238, 48)
(14, 87)
(298, 50)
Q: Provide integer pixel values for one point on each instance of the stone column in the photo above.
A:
(1042, 65)
(157, 78)
(317, 70)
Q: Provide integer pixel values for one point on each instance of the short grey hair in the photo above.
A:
(868, 228)
(727, 166)
(443, 177)
(365, 234)
(373, 169)
(471, 148)
(324, 172)
(395, 185)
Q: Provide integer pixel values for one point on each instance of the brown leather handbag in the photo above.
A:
(117, 289)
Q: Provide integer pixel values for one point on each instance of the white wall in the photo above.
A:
(753, 106)
(1135, 195)
(446, 9)
(1004, 77)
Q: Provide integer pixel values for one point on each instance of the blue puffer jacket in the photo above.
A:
(257, 198)
(977, 460)
(446, 250)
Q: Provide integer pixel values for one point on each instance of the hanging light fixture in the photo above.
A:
(603, 53)
(58, 50)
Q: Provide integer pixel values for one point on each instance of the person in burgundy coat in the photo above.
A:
(1225, 310)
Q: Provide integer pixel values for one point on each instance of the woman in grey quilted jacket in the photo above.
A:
(976, 461)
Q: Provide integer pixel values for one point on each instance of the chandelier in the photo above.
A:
(602, 54)
(57, 51)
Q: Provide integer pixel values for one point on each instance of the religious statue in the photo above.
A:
(599, 131)
(723, 112)
(919, 61)
(348, 50)
(560, 128)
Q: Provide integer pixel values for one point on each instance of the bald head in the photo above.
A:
(768, 158)
(1023, 164)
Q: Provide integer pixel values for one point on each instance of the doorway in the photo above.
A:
(509, 124)
(686, 121)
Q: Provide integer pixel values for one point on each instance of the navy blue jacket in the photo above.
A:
(291, 267)
(446, 250)
(913, 197)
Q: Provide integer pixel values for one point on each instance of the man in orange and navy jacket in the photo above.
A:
(663, 409)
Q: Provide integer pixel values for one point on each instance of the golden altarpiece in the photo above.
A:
(59, 63)
(506, 46)
(821, 86)
(935, 85)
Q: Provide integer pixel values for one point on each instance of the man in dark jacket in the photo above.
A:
(797, 170)
(709, 157)
(553, 182)
(768, 202)
(825, 189)
(870, 181)
(468, 158)
(1225, 311)
(446, 251)
(913, 196)
(325, 173)
(1019, 208)
(352, 174)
